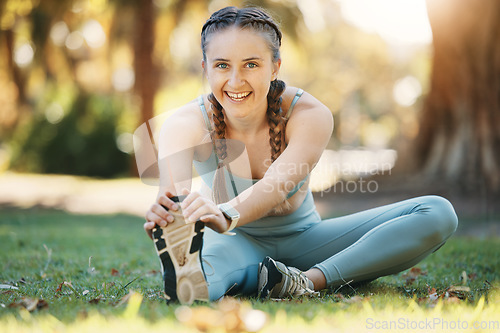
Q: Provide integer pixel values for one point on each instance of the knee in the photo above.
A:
(445, 220)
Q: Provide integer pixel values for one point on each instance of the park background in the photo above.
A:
(414, 88)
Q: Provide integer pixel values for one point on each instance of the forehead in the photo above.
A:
(235, 44)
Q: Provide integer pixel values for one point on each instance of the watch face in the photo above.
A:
(230, 211)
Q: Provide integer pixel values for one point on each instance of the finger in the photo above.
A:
(155, 219)
(149, 229)
(188, 200)
(198, 207)
(148, 226)
(208, 218)
(199, 212)
(162, 213)
(167, 202)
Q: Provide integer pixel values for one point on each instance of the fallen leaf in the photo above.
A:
(67, 284)
(411, 275)
(459, 292)
(433, 295)
(472, 276)
(30, 304)
(95, 301)
(114, 272)
(230, 315)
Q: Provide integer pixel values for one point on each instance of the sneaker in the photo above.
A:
(179, 247)
(276, 280)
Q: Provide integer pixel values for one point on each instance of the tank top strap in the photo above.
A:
(201, 103)
(294, 101)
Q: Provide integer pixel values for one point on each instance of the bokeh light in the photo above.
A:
(54, 113)
(74, 41)
(23, 55)
(124, 142)
(407, 90)
(59, 33)
(123, 79)
(94, 34)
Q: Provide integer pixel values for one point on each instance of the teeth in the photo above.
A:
(238, 96)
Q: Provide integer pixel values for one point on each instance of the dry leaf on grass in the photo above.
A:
(95, 301)
(69, 286)
(30, 304)
(114, 272)
(453, 294)
(230, 315)
(411, 275)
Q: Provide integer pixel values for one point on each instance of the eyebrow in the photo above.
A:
(244, 60)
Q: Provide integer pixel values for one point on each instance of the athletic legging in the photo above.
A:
(352, 248)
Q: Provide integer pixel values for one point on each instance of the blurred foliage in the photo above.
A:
(68, 72)
(82, 143)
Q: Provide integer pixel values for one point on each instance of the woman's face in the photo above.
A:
(239, 68)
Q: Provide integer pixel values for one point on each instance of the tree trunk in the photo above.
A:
(146, 73)
(459, 137)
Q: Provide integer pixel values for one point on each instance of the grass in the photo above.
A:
(84, 268)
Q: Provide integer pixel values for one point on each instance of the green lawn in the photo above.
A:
(83, 266)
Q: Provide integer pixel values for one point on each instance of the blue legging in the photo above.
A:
(357, 247)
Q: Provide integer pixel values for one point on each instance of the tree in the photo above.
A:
(459, 137)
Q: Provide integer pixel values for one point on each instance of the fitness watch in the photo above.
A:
(231, 214)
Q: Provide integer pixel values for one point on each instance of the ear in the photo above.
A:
(204, 66)
(276, 69)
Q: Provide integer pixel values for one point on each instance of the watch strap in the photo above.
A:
(225, 207)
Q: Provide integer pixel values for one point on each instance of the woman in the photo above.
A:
(254, 141)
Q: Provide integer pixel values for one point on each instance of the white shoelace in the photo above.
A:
(299, 283)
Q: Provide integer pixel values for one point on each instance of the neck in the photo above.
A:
(247, 126)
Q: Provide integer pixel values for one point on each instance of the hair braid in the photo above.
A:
(275, 120)
(218, 136)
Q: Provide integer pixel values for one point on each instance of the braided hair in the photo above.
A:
(257, 20)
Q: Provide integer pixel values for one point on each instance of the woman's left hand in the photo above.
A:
(197, 207)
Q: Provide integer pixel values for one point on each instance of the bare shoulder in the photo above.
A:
(183, 129)
(307, 107)
(186, 121)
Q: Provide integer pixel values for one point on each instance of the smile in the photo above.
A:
(237, 97)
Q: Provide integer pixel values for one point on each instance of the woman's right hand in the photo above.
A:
(158, 215)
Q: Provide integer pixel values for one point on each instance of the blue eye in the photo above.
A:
(221, 65)
(251, 65)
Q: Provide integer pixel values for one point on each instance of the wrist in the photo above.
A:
(231, 215)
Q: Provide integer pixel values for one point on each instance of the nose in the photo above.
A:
(236, 79)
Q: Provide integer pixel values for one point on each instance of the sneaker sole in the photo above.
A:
(269, 277)
(178, 246)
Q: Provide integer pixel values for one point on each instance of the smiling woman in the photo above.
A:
(261, 205)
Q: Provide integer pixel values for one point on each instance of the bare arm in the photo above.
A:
(179, 136)
(309, 130)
